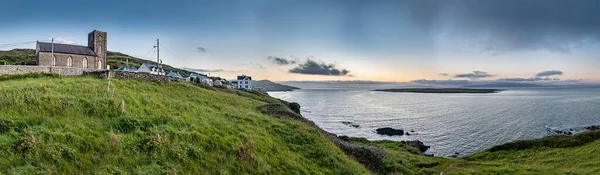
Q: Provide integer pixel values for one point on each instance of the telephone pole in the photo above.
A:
(157, 53)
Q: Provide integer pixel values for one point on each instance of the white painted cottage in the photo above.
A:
(152, 69)
(243, 82)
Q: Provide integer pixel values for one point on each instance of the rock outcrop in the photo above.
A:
(389, 131)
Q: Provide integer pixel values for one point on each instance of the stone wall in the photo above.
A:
(73, 71)
(140, 76)
(64, 71)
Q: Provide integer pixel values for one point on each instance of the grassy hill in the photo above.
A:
(115, 59)
(76, 125)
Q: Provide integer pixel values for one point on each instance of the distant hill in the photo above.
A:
(267, 85)
(505, 85)
(115, 59)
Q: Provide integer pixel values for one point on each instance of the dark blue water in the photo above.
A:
(463, 123)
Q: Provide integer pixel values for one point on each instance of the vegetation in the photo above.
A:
(566, 154)
(79, 125)
(441, 90)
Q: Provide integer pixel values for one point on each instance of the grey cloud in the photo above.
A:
(549, 73)
(311, 67)
(473, 76)
(444, 74)
(204, 70)
(498, 26)
(201, 49)
(281, 60)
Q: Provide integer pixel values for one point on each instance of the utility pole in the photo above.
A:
(157, 53)
(53, 58)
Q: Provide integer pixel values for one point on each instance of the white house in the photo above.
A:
(152, 69)
(175, 75)
(244, 82)
(194, 77)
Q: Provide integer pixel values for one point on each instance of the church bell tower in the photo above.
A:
(97, 42)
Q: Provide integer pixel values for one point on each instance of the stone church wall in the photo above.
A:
(45, 59)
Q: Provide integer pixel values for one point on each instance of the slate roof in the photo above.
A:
(66, 48)
(244, 76)
(174, 75)
(127, 68)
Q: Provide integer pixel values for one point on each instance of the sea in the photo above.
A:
(452, 124)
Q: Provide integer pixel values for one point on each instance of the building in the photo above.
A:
(152, 69)
(127, 68)
(244, 82)
(175, 75)
(92, 56)
(198, 78)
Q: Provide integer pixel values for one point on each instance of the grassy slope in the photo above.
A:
(572, 154)
(74, 125)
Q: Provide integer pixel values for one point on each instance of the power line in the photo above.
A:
(175, 54)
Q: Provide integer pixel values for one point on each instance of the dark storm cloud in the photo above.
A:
(475, 75)
(555, 25)
(311, 67)
(549, 73)
(281, 60)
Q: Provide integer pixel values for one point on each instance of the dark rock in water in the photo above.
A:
(352, 124)
(593, 127)
(417, 144)
(389, 131)
(455, 155)
(412, 130)
(407, 133)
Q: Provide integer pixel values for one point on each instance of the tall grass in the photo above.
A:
(76, 125)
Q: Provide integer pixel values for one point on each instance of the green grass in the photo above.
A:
(75, 126)
(572, 154)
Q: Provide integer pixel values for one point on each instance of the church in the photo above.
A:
(92, 56)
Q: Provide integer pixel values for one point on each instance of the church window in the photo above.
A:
(69, 62)
(85, 62)
(53, 60)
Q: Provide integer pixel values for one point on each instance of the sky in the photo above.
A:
(296, 40)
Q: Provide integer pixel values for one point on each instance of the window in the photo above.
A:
(85, 63)
(69, 62)
(53, 60)
(246, 86)
(100, 64)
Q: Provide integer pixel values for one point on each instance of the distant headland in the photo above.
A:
(441, 90)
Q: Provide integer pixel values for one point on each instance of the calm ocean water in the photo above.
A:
(463, 123)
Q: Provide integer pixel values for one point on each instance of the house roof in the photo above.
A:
(126, 68)
(244, 76)
(198, 75)
(174, 75)
(66, 48)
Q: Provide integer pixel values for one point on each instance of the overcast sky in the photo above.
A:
(383, 40)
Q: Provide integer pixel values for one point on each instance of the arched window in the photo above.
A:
(69, 62)
(85, 63)
(100, 64)
(53, 60)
